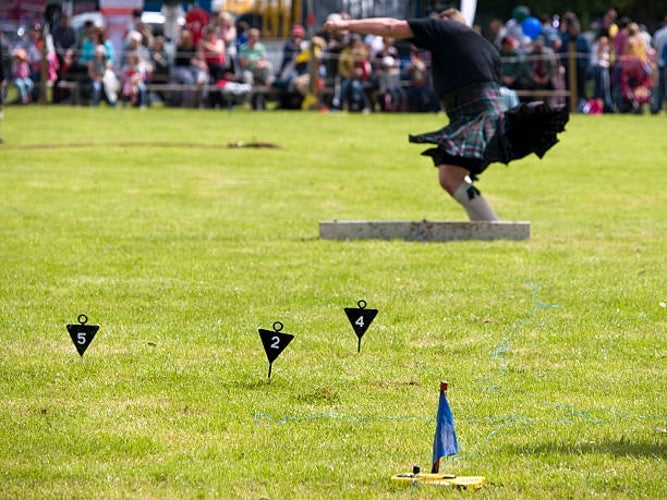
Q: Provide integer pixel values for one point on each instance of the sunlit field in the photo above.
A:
(180, 248)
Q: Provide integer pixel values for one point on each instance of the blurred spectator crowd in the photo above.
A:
(213, 60)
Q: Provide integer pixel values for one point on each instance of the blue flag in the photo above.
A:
(444, 443)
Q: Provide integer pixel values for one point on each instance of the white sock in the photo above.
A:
(475, 205)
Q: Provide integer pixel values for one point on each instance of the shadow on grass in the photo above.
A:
(617, 448)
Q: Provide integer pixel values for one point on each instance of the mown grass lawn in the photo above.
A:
(180, 249)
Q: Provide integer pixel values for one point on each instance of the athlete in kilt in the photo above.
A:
(466, 77)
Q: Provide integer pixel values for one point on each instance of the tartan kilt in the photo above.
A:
(482, 131)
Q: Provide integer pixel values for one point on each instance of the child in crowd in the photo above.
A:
(134, 81)
(21, 75)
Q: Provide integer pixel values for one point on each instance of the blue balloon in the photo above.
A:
(531, 27)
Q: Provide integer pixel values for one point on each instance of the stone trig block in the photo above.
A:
(424, 230)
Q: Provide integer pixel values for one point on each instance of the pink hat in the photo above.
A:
(298, 30)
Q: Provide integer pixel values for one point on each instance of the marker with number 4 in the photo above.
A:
(360, 319)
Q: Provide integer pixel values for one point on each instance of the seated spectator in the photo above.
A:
(212, 50)
(160, 60)
(35, 46)
(104, 80)
(65, 41)
(298, 91)
(293, 79)
(253, 58)
(510, 70)
(189, 69)
(134, 73)
(88, 43)
(101, 39)
(227, 32)
(133, 44)
(232, 89)
(421, 95)
(291, 49)
(354, 69)
(540, 67)
(21, 76)
(390, 93)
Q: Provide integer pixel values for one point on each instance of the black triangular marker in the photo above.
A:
(360, 319)
(82, 334)
(274, 342)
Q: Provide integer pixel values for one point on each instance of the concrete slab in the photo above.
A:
(424, 230)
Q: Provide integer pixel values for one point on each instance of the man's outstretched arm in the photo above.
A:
(379, 26)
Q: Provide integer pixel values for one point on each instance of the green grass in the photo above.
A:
(181, 248)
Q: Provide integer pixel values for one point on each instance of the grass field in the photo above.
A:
(180, 249)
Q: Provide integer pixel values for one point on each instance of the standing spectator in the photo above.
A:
(574, 36)
(660, 90)
(635, 45)
(196, 21)
(607, 23)
(5, 71)
(3, 80)
(552, 37)
(601, 63)
(513, 26)
(253, 58)
(618, 45)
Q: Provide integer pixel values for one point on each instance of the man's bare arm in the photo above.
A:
(379, 26)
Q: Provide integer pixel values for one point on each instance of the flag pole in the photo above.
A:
(444, 442)
(436, 463)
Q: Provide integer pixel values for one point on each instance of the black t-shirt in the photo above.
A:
(459, 55)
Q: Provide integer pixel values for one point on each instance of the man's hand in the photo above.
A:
(335, 26)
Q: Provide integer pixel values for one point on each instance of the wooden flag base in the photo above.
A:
(424, 230)
(460, 482)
